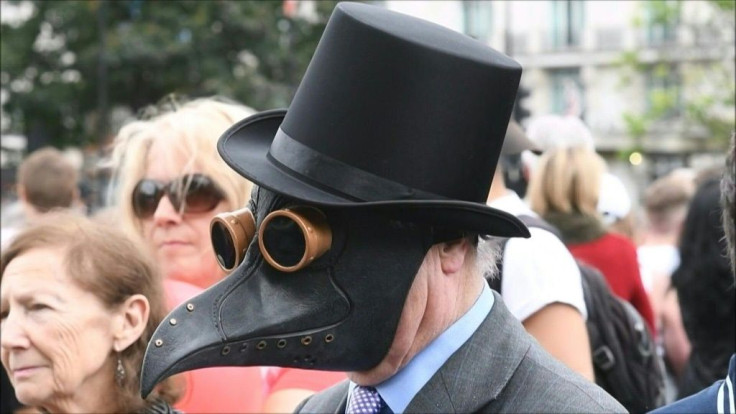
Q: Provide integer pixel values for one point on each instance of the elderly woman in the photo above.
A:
(79, 304)
(171, 182)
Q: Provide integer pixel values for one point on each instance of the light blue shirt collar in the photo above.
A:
(399, 390)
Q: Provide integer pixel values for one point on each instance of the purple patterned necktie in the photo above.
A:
(364, 400)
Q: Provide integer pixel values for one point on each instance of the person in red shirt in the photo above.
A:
(564, 190)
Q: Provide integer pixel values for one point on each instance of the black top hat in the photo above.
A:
(393, 112)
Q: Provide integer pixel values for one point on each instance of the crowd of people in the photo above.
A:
(395, 311)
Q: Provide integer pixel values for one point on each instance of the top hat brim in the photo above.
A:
(245, 148)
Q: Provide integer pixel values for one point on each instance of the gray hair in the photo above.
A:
(488, 254)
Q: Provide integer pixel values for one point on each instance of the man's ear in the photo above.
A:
(452, 255)
(133, 317)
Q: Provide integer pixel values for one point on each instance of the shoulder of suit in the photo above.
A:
(324, 401)
(565, 390)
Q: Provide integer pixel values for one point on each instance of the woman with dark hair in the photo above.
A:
(705, 287)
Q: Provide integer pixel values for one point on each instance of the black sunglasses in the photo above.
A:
(191, 193)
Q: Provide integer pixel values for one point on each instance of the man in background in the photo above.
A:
(46, 180)
(666, 203)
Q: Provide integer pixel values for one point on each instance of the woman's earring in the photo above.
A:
(119, 372)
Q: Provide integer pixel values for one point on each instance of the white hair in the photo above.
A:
(488, 254)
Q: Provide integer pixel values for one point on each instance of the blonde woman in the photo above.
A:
(171, 182)
(564, 190)
(174, 153)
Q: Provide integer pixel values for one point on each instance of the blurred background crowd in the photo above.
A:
(652, 80)
(91, 89)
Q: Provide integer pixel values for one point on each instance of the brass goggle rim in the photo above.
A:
(240, 226)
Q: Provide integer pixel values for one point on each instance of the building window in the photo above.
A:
(477, 18)
(567, 24)
(663, 98)
(662, 19)
(567, 92)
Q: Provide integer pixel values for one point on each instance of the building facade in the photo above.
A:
(650, 78)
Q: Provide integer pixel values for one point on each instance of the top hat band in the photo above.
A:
(329, 174)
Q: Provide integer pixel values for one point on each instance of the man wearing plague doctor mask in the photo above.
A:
(359, 249)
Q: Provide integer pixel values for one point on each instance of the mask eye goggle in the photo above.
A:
(289, 239)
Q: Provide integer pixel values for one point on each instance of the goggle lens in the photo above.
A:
(284, 241)
(231, 234)
(223, 246)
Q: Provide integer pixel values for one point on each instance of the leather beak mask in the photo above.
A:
(304, 314)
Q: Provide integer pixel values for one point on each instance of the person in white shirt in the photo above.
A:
(542, 290)
(666, 202)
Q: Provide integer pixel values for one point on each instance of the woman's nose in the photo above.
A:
(12, 333)
(165, 212)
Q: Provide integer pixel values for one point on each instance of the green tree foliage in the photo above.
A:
(709, 105)
(70, 62)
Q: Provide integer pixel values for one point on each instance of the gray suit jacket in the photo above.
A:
(500, 368)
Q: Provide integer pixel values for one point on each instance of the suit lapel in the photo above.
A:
(342, 406)
(331, 400)
(477, 372)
